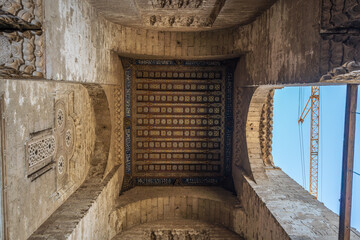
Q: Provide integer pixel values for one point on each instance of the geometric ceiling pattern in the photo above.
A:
(178, 122)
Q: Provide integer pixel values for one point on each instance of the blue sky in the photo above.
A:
(286, 143)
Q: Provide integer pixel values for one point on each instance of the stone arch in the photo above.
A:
(259, 130)
(257, 103)
(253, 132)
(142, 205)
(270, 189)
(70, 213)
(102, 129)
(178, 229)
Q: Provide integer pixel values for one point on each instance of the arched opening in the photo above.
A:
(295, 160)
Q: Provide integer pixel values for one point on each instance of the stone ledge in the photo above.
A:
(65, 219)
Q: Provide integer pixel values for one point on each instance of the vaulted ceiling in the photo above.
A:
(181, 15)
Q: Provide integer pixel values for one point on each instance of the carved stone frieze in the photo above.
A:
(26, 53)
(340, 14)
(119, 116)
(11, 22)
(180, 234)
(265, 129)
(28, 10)
(21, 22)
(349, 73)
(178, 21)
(338, 49)
(203, 14)
(6, 73)
(176, 4)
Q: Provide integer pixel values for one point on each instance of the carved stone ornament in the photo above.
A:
(20, 25)
(349, 73)
(177, 21)
(26, 53)
(60, 116)
(65, 132)
(265, 129)
(176, 4)
(29, 11)
(8, 21)
(40, 150)
(180, 234)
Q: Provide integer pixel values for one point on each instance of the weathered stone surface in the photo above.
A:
(215, 13)
(299, 213)
(29, 108)
(340, 14)
(177, 229)
(278, 42)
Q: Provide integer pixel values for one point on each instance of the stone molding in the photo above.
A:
(259, 131)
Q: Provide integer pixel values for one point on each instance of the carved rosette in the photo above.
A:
(60, 116)
(61, 166)
(65, 132)
(54, 148)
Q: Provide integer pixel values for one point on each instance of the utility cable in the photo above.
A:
(301, 138)
(321, 146)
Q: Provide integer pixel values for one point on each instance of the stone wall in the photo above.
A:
(256, 221)
(184, 229)
(148, 204)
(97, 218)
(115, 96)
(340, 35)
(98, 182)
(88, 51)
(253, 128)
(299, 213)
(283, 45)
(30, 109)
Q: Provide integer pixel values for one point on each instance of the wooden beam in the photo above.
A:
(348, 162)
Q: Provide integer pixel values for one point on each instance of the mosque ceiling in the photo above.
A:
(178, 122)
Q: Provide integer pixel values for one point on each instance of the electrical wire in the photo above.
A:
(321, 146)
(301, 138)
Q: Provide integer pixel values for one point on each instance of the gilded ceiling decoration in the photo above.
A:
(178, 122)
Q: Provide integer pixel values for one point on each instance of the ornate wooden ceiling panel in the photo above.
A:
(178, 122)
